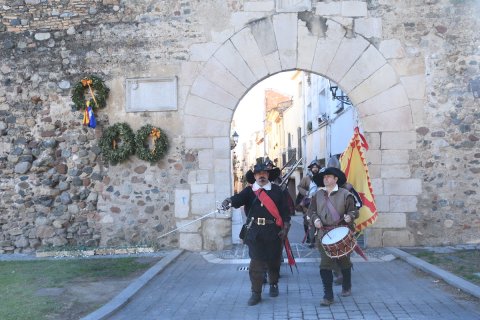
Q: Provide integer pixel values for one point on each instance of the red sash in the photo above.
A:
(273, 210)
(270, 205)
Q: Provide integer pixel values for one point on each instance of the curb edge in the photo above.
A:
(126, 294)
(435, 271)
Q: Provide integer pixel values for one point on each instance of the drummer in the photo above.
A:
(336, 207)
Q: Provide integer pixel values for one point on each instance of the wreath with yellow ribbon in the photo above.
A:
(151, 143)
(97, 90)
(117, 143)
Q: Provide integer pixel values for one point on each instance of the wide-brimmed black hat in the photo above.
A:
(318, 178)
(273, 173)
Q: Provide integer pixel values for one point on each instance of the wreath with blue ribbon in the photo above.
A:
(98, 93)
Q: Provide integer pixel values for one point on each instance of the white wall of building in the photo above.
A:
(331, 130)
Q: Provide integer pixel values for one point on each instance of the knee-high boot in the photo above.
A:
(347, 282)
(327, 280)
(256, 272)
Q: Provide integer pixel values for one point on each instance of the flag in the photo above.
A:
(354, 166)
(86, 117)
(89, 117)
(92, 123)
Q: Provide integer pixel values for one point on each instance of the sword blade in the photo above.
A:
(189, 223)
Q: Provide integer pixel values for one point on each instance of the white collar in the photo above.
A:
(325, 189)
(268, 186)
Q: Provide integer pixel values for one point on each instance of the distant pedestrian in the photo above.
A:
(269, 221)
(331, 207)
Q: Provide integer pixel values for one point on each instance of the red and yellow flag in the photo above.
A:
(353, 163)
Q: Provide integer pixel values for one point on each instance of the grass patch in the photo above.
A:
(20, 282)
(463, 263)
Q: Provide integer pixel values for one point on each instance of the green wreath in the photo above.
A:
(159, 141)
(97, 90)
(117, 142)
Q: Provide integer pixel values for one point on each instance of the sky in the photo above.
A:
(249, 114)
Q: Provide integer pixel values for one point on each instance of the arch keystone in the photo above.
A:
(285, 26)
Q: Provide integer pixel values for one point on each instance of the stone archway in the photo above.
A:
(287, 41)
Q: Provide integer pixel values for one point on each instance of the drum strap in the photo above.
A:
(331, 209)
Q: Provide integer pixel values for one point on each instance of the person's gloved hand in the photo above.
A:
(287, 225)
(283, 233)
(226, 204)
(347, 218)
(318, 224)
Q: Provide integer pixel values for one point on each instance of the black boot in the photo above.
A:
(273, 290)
(327, 280)
(255, 298)
(347, 282)
(338, 277)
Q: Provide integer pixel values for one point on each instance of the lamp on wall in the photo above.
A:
(337, 94)
(234, 140)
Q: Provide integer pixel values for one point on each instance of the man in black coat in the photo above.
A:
(268, 219)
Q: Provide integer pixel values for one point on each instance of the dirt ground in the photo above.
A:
(83, 297)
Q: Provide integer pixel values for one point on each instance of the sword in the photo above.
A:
(219, 210)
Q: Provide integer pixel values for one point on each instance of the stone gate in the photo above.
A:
(410, 79)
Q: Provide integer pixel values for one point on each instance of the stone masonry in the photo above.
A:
(409, 67)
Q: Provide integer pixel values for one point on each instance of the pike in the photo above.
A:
(286, 164)
(218, 210)
(290, 172)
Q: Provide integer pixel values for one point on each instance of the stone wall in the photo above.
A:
(56, 190)
(439, 39)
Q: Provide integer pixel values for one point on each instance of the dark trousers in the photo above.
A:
(257, 270)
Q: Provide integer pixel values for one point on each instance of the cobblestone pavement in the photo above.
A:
(216, 286)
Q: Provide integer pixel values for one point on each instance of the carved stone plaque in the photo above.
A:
(293, 5)
(151, 94)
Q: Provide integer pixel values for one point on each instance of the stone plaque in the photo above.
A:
(151, 94)
(293, 5)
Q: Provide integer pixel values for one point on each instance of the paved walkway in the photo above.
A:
(215, 285)
(194, 288)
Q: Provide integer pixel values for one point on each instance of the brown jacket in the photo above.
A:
(304, 185)
(342, 200)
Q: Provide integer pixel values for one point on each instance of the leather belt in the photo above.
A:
(262, 221)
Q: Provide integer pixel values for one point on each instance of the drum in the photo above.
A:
(338, 242)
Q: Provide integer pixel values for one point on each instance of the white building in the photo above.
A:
(328, 122)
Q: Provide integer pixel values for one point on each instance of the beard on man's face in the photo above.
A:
(262, 178)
